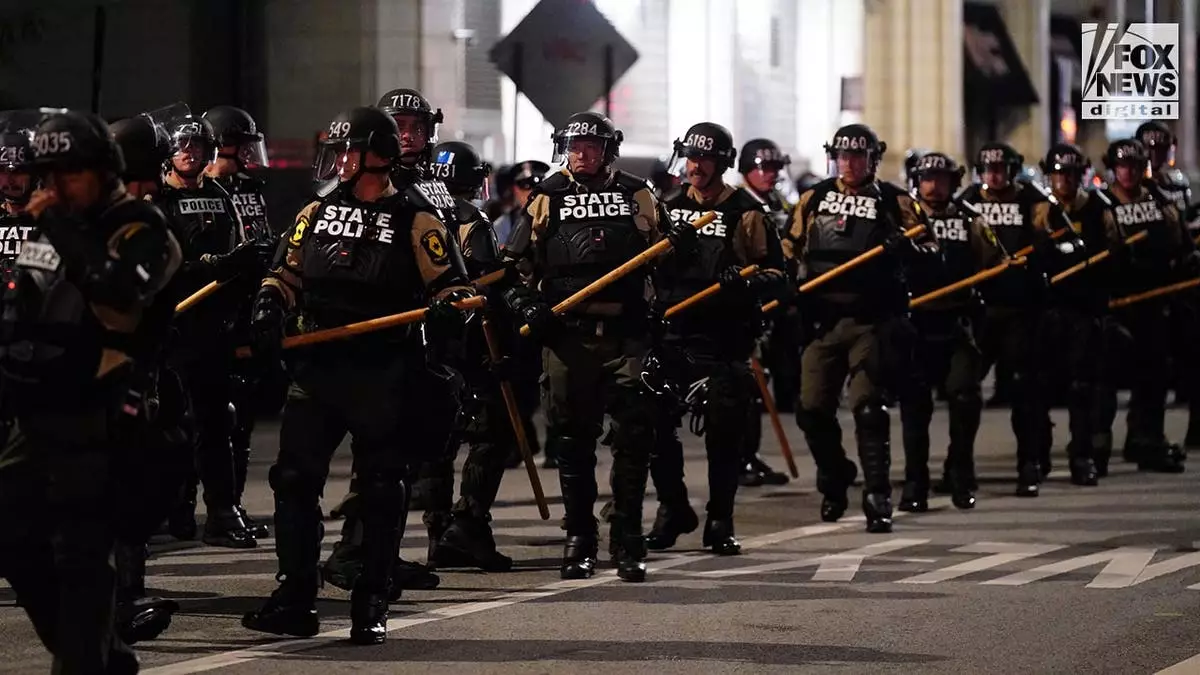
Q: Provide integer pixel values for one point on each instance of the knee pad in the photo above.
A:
(633, 434)
(382, 487)
(966, 399)
(290, 482)
(872, 417)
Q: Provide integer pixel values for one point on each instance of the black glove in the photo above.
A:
(682, 236)
(1118, 252)
(732, 281)
(1190, 263)
(246, 257)
(444, 321)
(266, 325)
(531, 310)
(896, 242)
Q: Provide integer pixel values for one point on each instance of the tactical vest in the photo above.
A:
(681, 276)
(476, 239)
(1149, 259)
(1174, 188)
(952, 229)
(1011, 220)
(14, 229)
(202, 219)
(1088, 288)
(778, 211)
(840, 227)
(50, 338)
(588, 235)
(249, 206)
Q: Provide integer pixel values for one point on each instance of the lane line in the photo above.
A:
(1186, 667)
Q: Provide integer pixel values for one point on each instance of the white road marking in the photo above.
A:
(1186, 667)
(1124, 566)
(830, 567)
(1003, 554)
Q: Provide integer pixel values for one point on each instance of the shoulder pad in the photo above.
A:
(969, 194)
(1102, 195)
(212, 185)
(824, 186)
(631, 182)
(429, 195)
(469, 213)
(967, 207)
(747, 201)
(555, 182)
(673, 194)
(889, 189)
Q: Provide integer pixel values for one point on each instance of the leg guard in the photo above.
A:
(383, 518)
(298, 528)
(728, 405)
(835, 472)
(577, 479)
(632, 440)
(916, 411)
(872, 429)
(666, 464)
(965, 410)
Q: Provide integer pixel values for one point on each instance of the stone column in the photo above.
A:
(1028, 24)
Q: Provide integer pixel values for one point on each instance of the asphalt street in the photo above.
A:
(1103, 579)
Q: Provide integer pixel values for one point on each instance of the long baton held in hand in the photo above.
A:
(854, 262)
(1153, 293)
(978, 277)
(769, 402)
(368, 326)
(628, 266)
(1029, 249)
(705, 294)
(1131, 239)
(514, 417)
(205, 291)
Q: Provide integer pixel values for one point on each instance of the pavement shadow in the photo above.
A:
(714, 592)
(615, 651)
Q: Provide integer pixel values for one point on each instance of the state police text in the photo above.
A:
(847, 205)
(348, 221)
(600, 205)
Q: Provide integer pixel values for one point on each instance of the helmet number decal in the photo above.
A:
(850, 143)
(994, 156)
(339, 129)
(12, 154)
(582, 129)
(52, 142)
(407, 102)
(443, 169)
(701, 142)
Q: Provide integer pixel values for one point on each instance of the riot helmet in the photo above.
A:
(588, 143)
(1159, 141)
(192, 144)
(17, 181)
(925, 171)
(145, 147)
(1129, 162)
(997, 165)
(911, 157)
(458, 166)
(856, 150)
(343, 151)
(416, 121)
(522, 178)
(234, 127)
(77, 156)
(705, 140)
(1065, 167)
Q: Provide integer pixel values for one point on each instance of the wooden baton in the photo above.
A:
(854, 262)
(514, 417)
(368, 326)
(1131, 239)
(769, 401)
(968, 282)
(205, 291)
(628, 266)
(1154, 293)
(705, 294)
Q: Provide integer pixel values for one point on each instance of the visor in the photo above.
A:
(563, 141)
(338, 160)
(252, 153)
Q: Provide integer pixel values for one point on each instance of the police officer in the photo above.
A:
(17, 183)
(240, 149)
(522, 178)
(204, 219)
(418, 123)
(580, 223)
(82, 316)
(717, 337)
(1014, 302)
(857, 319)
(461, 536)
(1173, 186)
(761, 162)
(947, 354)
(1146, 265)
(365, 250)
(1073, 324)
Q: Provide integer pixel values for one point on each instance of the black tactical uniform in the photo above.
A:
(460, 535)
(714, 339)
(202, 347)
(350, 259)
(947, 355)
(578, 225)
(238, 139)
(858, 320)
(1077, 304)
(1145, 265)
(1173, 187)
(81, 317)
(16, 185)
(781, 348)
(1014, 303)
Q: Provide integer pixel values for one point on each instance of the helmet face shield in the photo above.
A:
(252, 153)
(338, 160)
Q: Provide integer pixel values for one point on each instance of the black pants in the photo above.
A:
(206, 378)
(1009, 337)
(335, 393)
(1185, 352)
(727, 401)
(58, 530)
(946, 356)
(1146, 323)
(1070, 343)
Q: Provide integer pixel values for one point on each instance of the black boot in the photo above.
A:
(916, 411)
(834, 488)
(1083, 472)
(368, 617)
(962, 490)
(965, 409)
(181, 523)
(256, 529)
(671, 522)
(436, 525)
(226, 528)
(1102, 445)
(877, 507)
(628, 555)
(579, 557)
(138, 618)
(766, 474)
(835, 473)
(1029, 476)
(469, 543)
(1161, 457)
(718, 537)
(291, 610)
(914, 498)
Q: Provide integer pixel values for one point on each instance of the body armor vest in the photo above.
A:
(357, 259)
(1011, 220)
(249, 206)
(588, 235)
(842, 226)
(952, 228)
(202, 218)
(1149, 259)
(476, 239)
(51, 338)
(14, 229)
(1174, 188)
(1088, 288)
(778, 210)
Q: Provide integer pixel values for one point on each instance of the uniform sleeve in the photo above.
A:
(1180, 241)
(1111, 231)
(528, 226)
(1041, 217)
(651, 218)
(144, 258)
(796, 230)
(912, 216)
(985, 245)
(288, 276)
(431, 250)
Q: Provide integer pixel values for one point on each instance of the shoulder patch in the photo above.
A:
(990, 235)
(434, 244)
(298, 233)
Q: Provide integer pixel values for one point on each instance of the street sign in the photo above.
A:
(564, 55)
